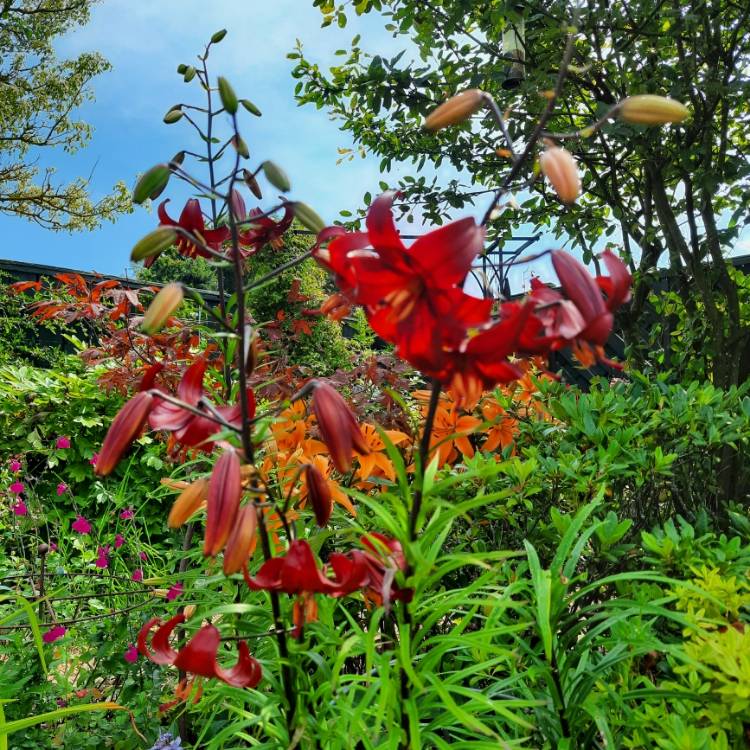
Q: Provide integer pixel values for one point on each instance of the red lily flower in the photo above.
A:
(414, 290)
(293, 573)
(189, 429)
(191, 220)
(385, 559)
(198, 656)
(264, 230)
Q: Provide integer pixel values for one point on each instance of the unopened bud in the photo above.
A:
(227, 96)
(189, 502)
(561, 170)
(319, 493)
(308, 217)
(174, 115)
(250, 107)
(241, 147)
(252, 183)
(224, 494)
(188, 610)
(151, 184)
(218, 36)
(276, 176)
(43, 549)
(162, 306)
(177, 159)
(649, 109)
(153, 243)
(190, 72)
(125, 428)
(457, 109)
(242, 540)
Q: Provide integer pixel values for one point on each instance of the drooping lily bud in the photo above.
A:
(190, 501)
(224, 494)
(457, 109)
(561, 170)
(153, 244)
(338, 426)
(237, 205)
(649, 109)
(276, 176)
(241, 542)
(308, 217)
(162, 306)
(319, 493)
(227, 96)
(125, 428)
(252, 183)
(151, 183)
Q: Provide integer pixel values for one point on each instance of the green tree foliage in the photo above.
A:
(196, 273)
(38, 97)
(677, 195)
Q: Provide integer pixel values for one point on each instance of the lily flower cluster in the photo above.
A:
(413, 298)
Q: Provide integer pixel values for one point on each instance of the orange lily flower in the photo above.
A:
(376, 462)
(503, 428)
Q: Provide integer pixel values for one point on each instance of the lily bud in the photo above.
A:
(173, 115)
(151, 183)
(224, 494)
(188, 610)
(338, 426)
(237, 205)
(561, 170)
(649, 109)
(190, 72)
(250, 107)
(276, 176)
(242, 540)
(227, 96)
(162, 306)
(190, 501)
(308, 217)
(457, 109)
(154, 243)
(241, 147)
(125, 428)
(252, 183)
(319, 493)
(251, 351)
(218, 36)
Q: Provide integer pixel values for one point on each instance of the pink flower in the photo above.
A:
(54, 634)
(15, 465)
(20, 508)
(143, 556)
(174, 592)
(62, 488)
(94, 459)
(81, 525)
(103, 560)
(52, 547)
(127, 514)
(63, 443)
(119, 541)
(17, 488)
(137, 575)
(131, 654)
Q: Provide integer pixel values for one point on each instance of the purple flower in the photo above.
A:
(93, 460)
(63, 443)
(137, 575)
(62, 488)
(20, 508)
(131, 654)
(54, 634)
(127, 514)
(167, 742)
(52, 547)
(143, 556)
(81, 525)
(174, 592)
(17, 488)
(15, 465)
(119, 541)
(103, 560)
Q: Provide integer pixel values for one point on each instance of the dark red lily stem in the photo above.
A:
(539, 129)
(247, 442)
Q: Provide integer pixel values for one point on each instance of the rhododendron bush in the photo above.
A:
(323, 587)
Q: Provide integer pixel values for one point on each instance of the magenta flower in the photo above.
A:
(127, 514)
(174, 592)
(131, 654)
(62, 488)
(15, 465)
(81, 525)
(103, 560)
(17, 488)
(54, 634)
(63, 443)
(93, 460)
(52, 547)
(143, 556)
(137, 575)
(20, 508)
(119, 541)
